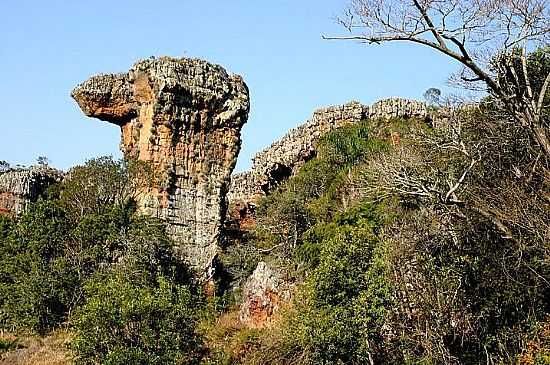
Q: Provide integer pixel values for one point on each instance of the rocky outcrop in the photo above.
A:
(184, 116)
(263, 294)
(397, 108)
(284, 157)
(19, 187)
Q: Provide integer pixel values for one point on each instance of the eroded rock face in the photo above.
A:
(285, 157)
(263, 294)
(20, 187)
(184, 116)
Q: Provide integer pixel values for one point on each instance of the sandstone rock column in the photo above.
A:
(184, 116)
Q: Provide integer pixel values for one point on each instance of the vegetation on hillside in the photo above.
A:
(431, 251)
(81, 258)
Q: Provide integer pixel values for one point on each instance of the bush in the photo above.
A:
(37, 284)
(127, 322)
(346, 292)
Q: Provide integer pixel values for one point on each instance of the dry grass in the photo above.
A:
(229, 342)
(31, 350)
(227, 339)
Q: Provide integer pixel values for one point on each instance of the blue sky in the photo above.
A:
(48, 47)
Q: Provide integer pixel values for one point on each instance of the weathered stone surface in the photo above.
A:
(284, 157)
(184, 116)
(397, 108)
(263, 294)
(244, 187)
(241, 217)
(19, 187)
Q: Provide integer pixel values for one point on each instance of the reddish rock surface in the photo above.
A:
(263, 294)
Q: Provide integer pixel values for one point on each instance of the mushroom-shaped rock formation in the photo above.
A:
(184, 116)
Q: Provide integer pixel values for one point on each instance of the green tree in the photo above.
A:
(103, 182)
(37, 284)
(4, 166)
(49, 253)
(139, 311)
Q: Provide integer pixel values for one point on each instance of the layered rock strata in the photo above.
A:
(20, 187)
(184, 117)
(284, 157)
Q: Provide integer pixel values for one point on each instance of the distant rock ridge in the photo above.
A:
(284, 157)
(21, 186)
(184, 116)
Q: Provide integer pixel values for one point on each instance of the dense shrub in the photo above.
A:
(341, 308)
(37, 287)
(132, 318)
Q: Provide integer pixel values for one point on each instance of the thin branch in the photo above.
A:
(526, 75)
(542, 94)
(431, 26)
(459, 182)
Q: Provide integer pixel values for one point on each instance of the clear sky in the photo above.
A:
(48, 47)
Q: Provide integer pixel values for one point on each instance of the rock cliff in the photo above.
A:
(284, 157)
(19, 187)
(266, 290)
(184, 116)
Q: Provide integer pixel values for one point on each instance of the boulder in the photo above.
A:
(263, 294)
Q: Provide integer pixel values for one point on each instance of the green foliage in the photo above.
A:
(102, 183)
(366, 216)
(313, 195)
(6, 224)
(7, 345)
(338, 314)
(37, 282)
(413, 278)
(85, 258)
(538, 66)
(128, 318)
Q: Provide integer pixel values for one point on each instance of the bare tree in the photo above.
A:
(411, 172)
(490, 38)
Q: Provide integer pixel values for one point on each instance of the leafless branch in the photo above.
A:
(463, 30)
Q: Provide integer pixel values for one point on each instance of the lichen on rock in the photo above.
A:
(183, 116)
